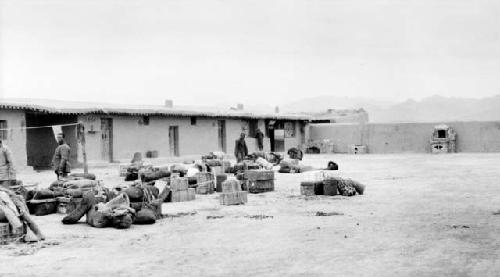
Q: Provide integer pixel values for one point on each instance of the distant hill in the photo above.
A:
(430, 109)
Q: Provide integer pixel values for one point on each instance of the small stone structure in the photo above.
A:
(443, 139)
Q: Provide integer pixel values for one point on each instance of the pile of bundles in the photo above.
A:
(216, 163)
(232, 194)
(257, 181)
(332, 186)
(15, 221)
(270, 157)
(291, 166)
(179, 169)
(116, 212)
(62, 195)
(295, 153)
(247, 164)
(146, 173)
(139, 203)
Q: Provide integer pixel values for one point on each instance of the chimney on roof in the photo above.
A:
(239, 107)
(169, 103)
(277, 109)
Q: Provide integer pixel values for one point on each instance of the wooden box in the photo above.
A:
(259, 175)
(180, 196)
(260, 186)
(307, 188)
(178, 184)
(233, 198)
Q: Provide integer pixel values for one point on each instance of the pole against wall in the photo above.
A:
(81, 129)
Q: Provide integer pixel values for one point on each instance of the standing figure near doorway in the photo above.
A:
(60, 162)
(240, 148)
(7, 171)
(260, 139)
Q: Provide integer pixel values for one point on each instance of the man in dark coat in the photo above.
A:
(240, 148)
(260, 139)
(60, 162)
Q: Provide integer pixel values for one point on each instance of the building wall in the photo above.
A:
(407, 137)
(130, 137)
(299, 139)
(16, 139)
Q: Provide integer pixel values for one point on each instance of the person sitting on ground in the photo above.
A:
(60, 161)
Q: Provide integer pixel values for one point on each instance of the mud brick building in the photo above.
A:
(114, 132)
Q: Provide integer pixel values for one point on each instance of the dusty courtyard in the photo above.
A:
(421, 215)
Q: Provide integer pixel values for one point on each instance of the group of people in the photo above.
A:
(241, 149)
(60, 162)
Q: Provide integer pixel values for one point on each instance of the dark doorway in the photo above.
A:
(173, 138)
(279, 136)
(441, 133)
(107, 139)
(41, 142)
(221, 131)
(270, 132)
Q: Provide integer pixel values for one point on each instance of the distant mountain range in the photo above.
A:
(430, 109)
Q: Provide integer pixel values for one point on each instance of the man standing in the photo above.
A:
(240, 148)
(7, 171)
(60, 162)
(260, 139)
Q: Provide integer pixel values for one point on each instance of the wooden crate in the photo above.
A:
(260, 186)
(43, 207)
(178, 183)
(330, 187)
(202, 177)
(307, 188)
(191, 194)
(7, 236)
(259, 175)
(122, 169)
(205, 188)
(231, 186)
(180, 196)
(183, 195)
(233, 198)
(219, 179)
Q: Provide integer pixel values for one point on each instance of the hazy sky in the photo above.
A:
(260, 51)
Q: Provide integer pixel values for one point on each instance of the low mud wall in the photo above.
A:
(407, 137)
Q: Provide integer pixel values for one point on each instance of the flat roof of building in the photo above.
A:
(73, 107)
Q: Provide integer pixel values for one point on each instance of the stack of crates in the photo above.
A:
(180, 192)
(259, 181)
(232, 194)
(205, 182)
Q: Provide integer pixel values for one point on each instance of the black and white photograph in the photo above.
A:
(275, 138)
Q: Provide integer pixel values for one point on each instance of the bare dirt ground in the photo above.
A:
(421, 215)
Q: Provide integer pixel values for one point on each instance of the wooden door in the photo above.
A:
(107, 139)
(173, 138)
(221, 130)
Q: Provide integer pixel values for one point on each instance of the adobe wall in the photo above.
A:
(129, 136)
(407, 137)
(16, 137)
